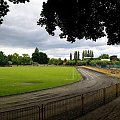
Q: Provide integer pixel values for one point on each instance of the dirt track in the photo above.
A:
(93, 81)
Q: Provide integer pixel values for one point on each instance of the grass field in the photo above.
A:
(15, 80)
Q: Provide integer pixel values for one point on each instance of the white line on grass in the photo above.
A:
(72, 76)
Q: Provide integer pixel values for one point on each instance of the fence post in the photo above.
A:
(104, 95)
(82, 97)
(42, 112)
(39, 112)
(116, 90)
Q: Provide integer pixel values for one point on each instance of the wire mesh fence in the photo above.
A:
(28, 113)
(64, 108)
(93, 100)
(67, 108)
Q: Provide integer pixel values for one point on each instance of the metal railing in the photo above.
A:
(67, 108)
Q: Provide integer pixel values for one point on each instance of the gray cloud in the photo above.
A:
(20, 30)
(15, 38)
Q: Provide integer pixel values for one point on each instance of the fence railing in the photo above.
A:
(66, 108)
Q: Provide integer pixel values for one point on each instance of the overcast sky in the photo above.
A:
(19, 33)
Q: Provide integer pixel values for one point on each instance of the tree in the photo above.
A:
(43, 59)
(36, 50)
(59, 61)
(99, 63)
(75, 56)
(26, 60)
(3, 59)
(20, 60)
(78, 56)
(88, 53)
(15, 59)
(35, 55)
(83, 54)
(80, 63)
(4, 7)
(81, 19)
(71, 62)
(78, 19)
(104, 56)
(92, 54)
(70, 56)
(40, 57)
(64, 61)
(3, 10)
(9, 57)
(53, 61)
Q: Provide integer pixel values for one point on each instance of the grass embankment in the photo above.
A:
(15, 80)
(114, 72)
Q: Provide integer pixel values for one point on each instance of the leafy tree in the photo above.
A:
(43, 59)
(83, 54)
(80, 63)
(81, 19)
(4, 7)
(3, 59)
(115, 62)
(40, 57)
(87, 53)
(15, 59)
(78, 19)
(99, 63)
(75, 56)
(36, 50)
(3, 10)
(71, 62)
(9, 57)
(20, 60)
(70, 56)
(59, 61)
(78, 55)
(53, 61)
(64, 61)
(26, 60)
(104, 56)
(91, 53)
(35, 55)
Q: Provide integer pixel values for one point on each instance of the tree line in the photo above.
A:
(42, 58)
(88, 59)
(93, 62)
(24, 59)
(85, 53)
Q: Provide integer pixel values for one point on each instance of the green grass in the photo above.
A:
(15, 80)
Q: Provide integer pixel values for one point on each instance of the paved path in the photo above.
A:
(93, 81)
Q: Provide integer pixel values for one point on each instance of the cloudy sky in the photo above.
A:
(19, 33)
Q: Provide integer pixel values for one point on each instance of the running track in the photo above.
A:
(92, 81)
